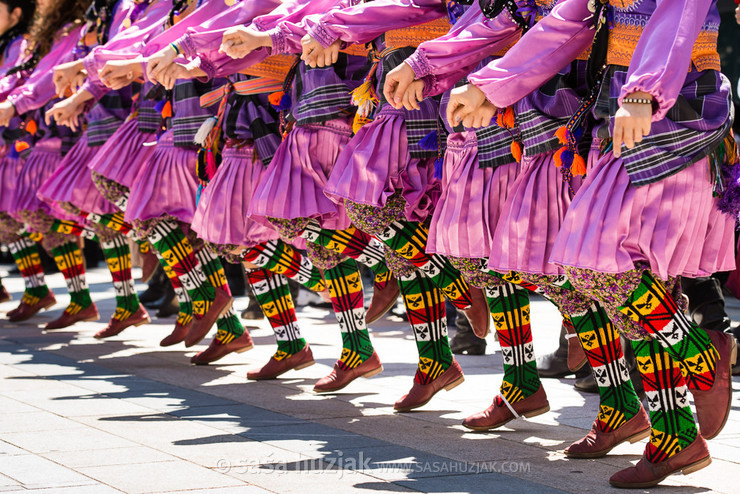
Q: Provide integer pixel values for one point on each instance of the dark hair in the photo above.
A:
(28, 9)
(100, 15)
(58, 14)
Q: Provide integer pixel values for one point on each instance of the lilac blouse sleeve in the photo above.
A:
(662, 57)
(445, 60)
(364, 22)
(39, 88)
(549, 46)
(289, 13)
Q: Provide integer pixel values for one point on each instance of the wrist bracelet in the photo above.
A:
(639, 101)
(174, 47)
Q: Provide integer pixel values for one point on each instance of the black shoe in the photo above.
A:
(157, 289)
(585, 381)
(465, 341)
(170, 306)
(253, 312)
(706, 303)
(555, 364)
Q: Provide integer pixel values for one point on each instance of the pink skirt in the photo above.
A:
(221, 216)
(469, 207)
(10, 170)
(672, 225)
(38, 167)
(531, 218)
(293, 184)
(376, 163)
(166, 185)
(72, 182)
(124, 154)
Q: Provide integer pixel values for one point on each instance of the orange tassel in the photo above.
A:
(167, 110)
(21, 146)
(500, 120)
(31, 127)
(275, 98)
(516, 151)
(561, 134)
(558, 157)
(578, 167)
(509, 119)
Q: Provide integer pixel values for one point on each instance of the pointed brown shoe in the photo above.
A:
(66, 320)
(340, 378)
(199, 328)
(496, 416)
(116, 327)
(177, 335)
(25, 311)
(382, 301)
(274, 368)
(478, 314)
(421, 394)
(217, 350)
(597, 444)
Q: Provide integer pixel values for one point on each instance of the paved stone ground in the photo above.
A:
(80, 415)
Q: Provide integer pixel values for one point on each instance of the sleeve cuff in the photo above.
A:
(17, 103)
(206, 66)
(660, 104)
(186, 46)
(419, 63)
(278, 40)
(430, 86)
(323, 35)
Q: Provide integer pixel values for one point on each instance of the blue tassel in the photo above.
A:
(430, 141)
(13, 153)
(578, 133)
(197, 193)
(454, 11)
(438, 168)
(567, 158)
(160, 105)
(285, 103)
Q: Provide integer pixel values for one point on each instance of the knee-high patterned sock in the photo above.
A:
(27, 256)
(173, 246)
(228, 326)
(353, 243)
(425, 307)
(281, 258)
(273, 295)
(118, 257)
(73, 228)
(347, 299)
(410, 239)
(114, 221)
(68, 258)
(185, 312)
(509, 306)
(600, 341)
(656, 312)
(673, 425)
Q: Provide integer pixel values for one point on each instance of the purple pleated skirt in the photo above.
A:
(293, 184)
(124, 154)
(10, 170)
(376, 163)
(221, 216)
(471, 200)
(72, 182)
(38, 167)
(531, 218)
(166, 184)
(672, 225)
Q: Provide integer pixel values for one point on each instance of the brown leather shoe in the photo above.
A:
(4, 295)
(177, 335)
(478, 313)
(66, 320)
(24, 311)
(713, 406)
(496, 416)
(339, 378)
(420, 394)
(217, 350)
(200, 327)
(576, 355)
(115, 326)
(645, 474)
(597, 444)
(274, 368)
(382, 301)
(149, 265)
